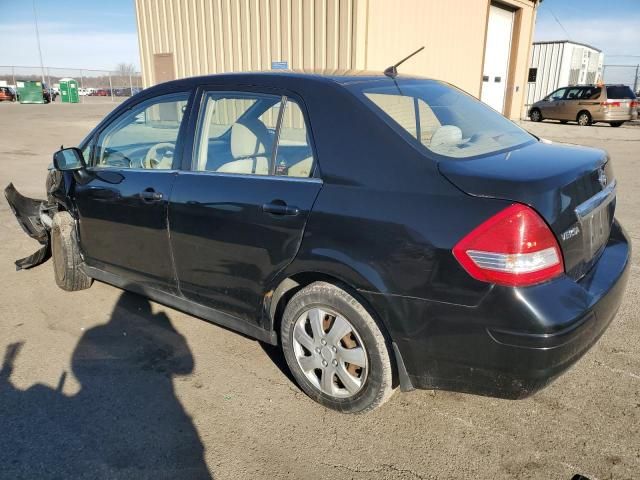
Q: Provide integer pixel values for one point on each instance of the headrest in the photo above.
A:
(248, 139)
(446, 135)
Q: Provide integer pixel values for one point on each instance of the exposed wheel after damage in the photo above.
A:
(336, 350)
(66, 254)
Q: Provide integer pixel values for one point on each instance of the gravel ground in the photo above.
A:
(104, 384)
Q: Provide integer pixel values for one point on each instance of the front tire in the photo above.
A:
(65, 250)
(335, 350)
(535, 115)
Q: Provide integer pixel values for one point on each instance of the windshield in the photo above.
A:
(442, 118)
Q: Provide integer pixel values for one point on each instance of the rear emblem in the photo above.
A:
(569, 234)
(602, 178)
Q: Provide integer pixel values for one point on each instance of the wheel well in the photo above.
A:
(581, 112)
(291, 285)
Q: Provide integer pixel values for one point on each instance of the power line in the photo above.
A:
(558, 22)
(35, 21)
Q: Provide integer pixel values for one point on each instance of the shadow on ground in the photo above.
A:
(125, 422)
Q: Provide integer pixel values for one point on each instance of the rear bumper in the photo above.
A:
(613, 117)
(515, 341)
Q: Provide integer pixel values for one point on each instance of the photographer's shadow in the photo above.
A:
(125, 422)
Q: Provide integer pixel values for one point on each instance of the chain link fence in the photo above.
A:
(92, 83)
(625, 74)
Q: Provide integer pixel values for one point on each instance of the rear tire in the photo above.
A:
(616, 124)
(321, 319)
(535, 115)
(584, 119)
(65, 250)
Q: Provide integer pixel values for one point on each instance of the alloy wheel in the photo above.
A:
(535, 116)
(330, 352)
(583, 120)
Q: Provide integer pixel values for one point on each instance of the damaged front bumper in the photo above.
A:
(34, 216)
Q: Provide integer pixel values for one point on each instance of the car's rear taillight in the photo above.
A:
(611, 103)
(515, 247)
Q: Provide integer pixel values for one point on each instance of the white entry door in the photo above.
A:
(496, 57)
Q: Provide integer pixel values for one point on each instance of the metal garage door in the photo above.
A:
(496, 57)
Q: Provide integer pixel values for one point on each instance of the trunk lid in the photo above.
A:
(571, 187)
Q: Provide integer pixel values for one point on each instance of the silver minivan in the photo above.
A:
(587, 104)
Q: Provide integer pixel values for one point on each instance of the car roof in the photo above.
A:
(286, 78)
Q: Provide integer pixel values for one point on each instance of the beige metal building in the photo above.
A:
(482, 46)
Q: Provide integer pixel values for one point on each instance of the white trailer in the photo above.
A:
(559, 64)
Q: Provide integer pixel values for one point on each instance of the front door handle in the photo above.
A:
(150, 195)
(278, 207)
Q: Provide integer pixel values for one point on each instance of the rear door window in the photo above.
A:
(294, 156)
(591, 93)
(253, 134)
(619, 92)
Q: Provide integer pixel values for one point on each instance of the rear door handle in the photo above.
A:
(280, 208)
(150, 195)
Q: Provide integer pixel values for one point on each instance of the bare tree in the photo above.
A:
(125, 69)
(123, 74)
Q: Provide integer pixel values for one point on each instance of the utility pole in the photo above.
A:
(635, 83)
(35, 19)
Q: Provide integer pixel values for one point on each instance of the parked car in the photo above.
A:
(612, 104)
(48, 93)
(384, 231)
(101, 92)
(7, 94)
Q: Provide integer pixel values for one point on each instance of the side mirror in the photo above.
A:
(69, 159)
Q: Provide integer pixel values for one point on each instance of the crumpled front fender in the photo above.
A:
(29, 213)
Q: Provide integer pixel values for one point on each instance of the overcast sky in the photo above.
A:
(101, 34)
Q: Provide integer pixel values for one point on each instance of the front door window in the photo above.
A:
(145, 137)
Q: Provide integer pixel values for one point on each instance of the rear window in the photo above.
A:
(619, 92)
(443, 119)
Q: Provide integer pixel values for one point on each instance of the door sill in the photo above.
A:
(184, 305)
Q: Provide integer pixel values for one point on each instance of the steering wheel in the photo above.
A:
(156, 157)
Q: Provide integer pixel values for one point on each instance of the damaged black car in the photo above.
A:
(386, 230)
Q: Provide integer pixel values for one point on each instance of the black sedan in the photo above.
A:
(385, 231)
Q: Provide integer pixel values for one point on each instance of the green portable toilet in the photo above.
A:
(30, 92)
(69, 90)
